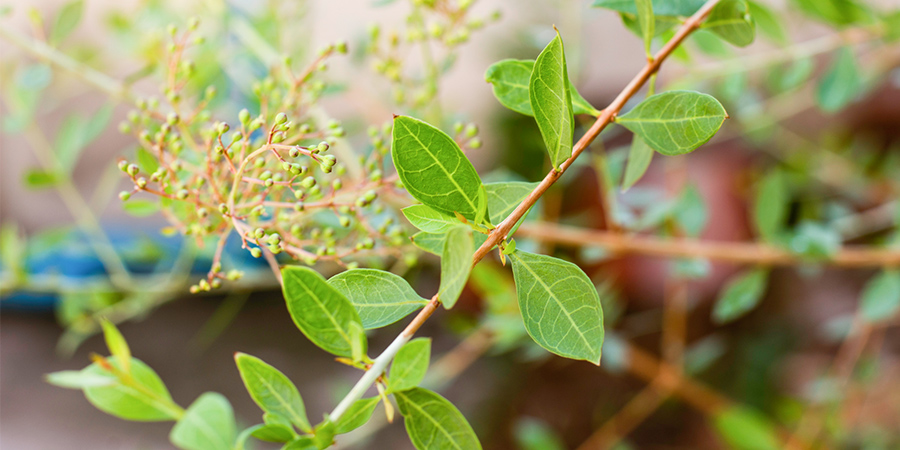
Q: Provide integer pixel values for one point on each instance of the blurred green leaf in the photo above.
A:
(746, 429)
(770, 207)
(690, 211)
(533, 434)
(740, 295)
(840, 13)
(208, 424)
(881, 297)
(66, 21)
(551, 100)
(144, 398)
(841, 83)
(647, 22)
(432, 422)
(146, 161)
(79, 379)
(39, 179)
(274, 433)
(141, 208)
(768, 22)
(639, 156)
(116, 344)
(660, 7)
(410, 365)
(815, 240)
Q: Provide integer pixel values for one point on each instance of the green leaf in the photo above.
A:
(144, 399)
(272, 390)
(675, 122)
(456, 263)
(504, 197)
(510, 78)
(357, 415)
(746, 429)
(740, 295)
(76, 133)
(79, 379)
(881, 297)
(434, 242)
(770, 207)
(274, 433)
(791, 77)
(639, 156)
(647, 22)
(358, 343)
(39, 179)
(301, 443)
(660, 7)
(324, 434)
(208, 424)
(533, 434)
(379, 297)
(146, 161)
(690, 211)
(410, 365)
(139, 207)
(429, 220)
(116, 344)
(769, 22)
(319, 310)
(433, 169)
(433, 423)
(841, 13)
(551, 100)
(841, 83)
(731, 21)
(66, 21)
(559, 305)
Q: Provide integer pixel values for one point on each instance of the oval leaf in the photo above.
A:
(510, 78)
(432, 422)
(208, 424)
(456, 263)
(272, 390)
(746, 429)
(410, 365)
(770, 208)
(881, 297)
(551, 100)
(559, 305)
(150, 402)
(841, 84)
(319, 310)
(357, 415)
(731, 21)
(639, 156)
(675, 122)
(434, 169)
(381, 298)
(504, 197)
(740, 295)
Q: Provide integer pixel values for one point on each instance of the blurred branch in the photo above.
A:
(735, 252)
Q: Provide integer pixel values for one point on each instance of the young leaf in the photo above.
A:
(771, 205)
(410, 365)
(66, 21)
(116, 344)
(510, 78)
(381, 298)
(533, 434)
(429, 220)
(208, 424)
(139, 207)
(740, 295)
(639, 156)
(274, 433)
(434, 242)
(682, 8)
(731, 21)
(675, 122)
(434, 169)
(357, 415)
(881, 297)
(456, 263)
(272, 390)
(39, 179)
(746, 429)
(144, 399)
(836, 12)
(690, 211)
(841, 83)
(358, 342)
(647, 22)
(432, 422)
(504, 197)
(319, 310)
(324, 434)
(551, 100)
(301, 443)
(559, 305)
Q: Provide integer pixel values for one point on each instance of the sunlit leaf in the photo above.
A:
(740, 295)
(208, 424)
(551, 100)
(675, 122)
(432, 422)
(380, 298)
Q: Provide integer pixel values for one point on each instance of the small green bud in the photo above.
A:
(171, 29)
(299, 207)
(337, 184)
(244, 116)
(222, 128)
(471, 130)
(259, 233)
(345, 221)
(341, 47)
(376, 175)
(274, 249)
(308, 182)
(182, 194)
(236, 136)
(141, 182)
(172, 118)
(123, 165)
(296, 229)
(265, 175)
(294, 152)
(323, 146)
(280, 119)
(234, 275)
(269, 182)
(202, 213)
(475, 143)
(223, 208)
(124, 196)
(216, 283)
(256, 252)
(210, 92)
(286, 166)
(274, 239)
(132, 169)
(124, 127)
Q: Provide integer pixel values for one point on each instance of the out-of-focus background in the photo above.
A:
(785, 358)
